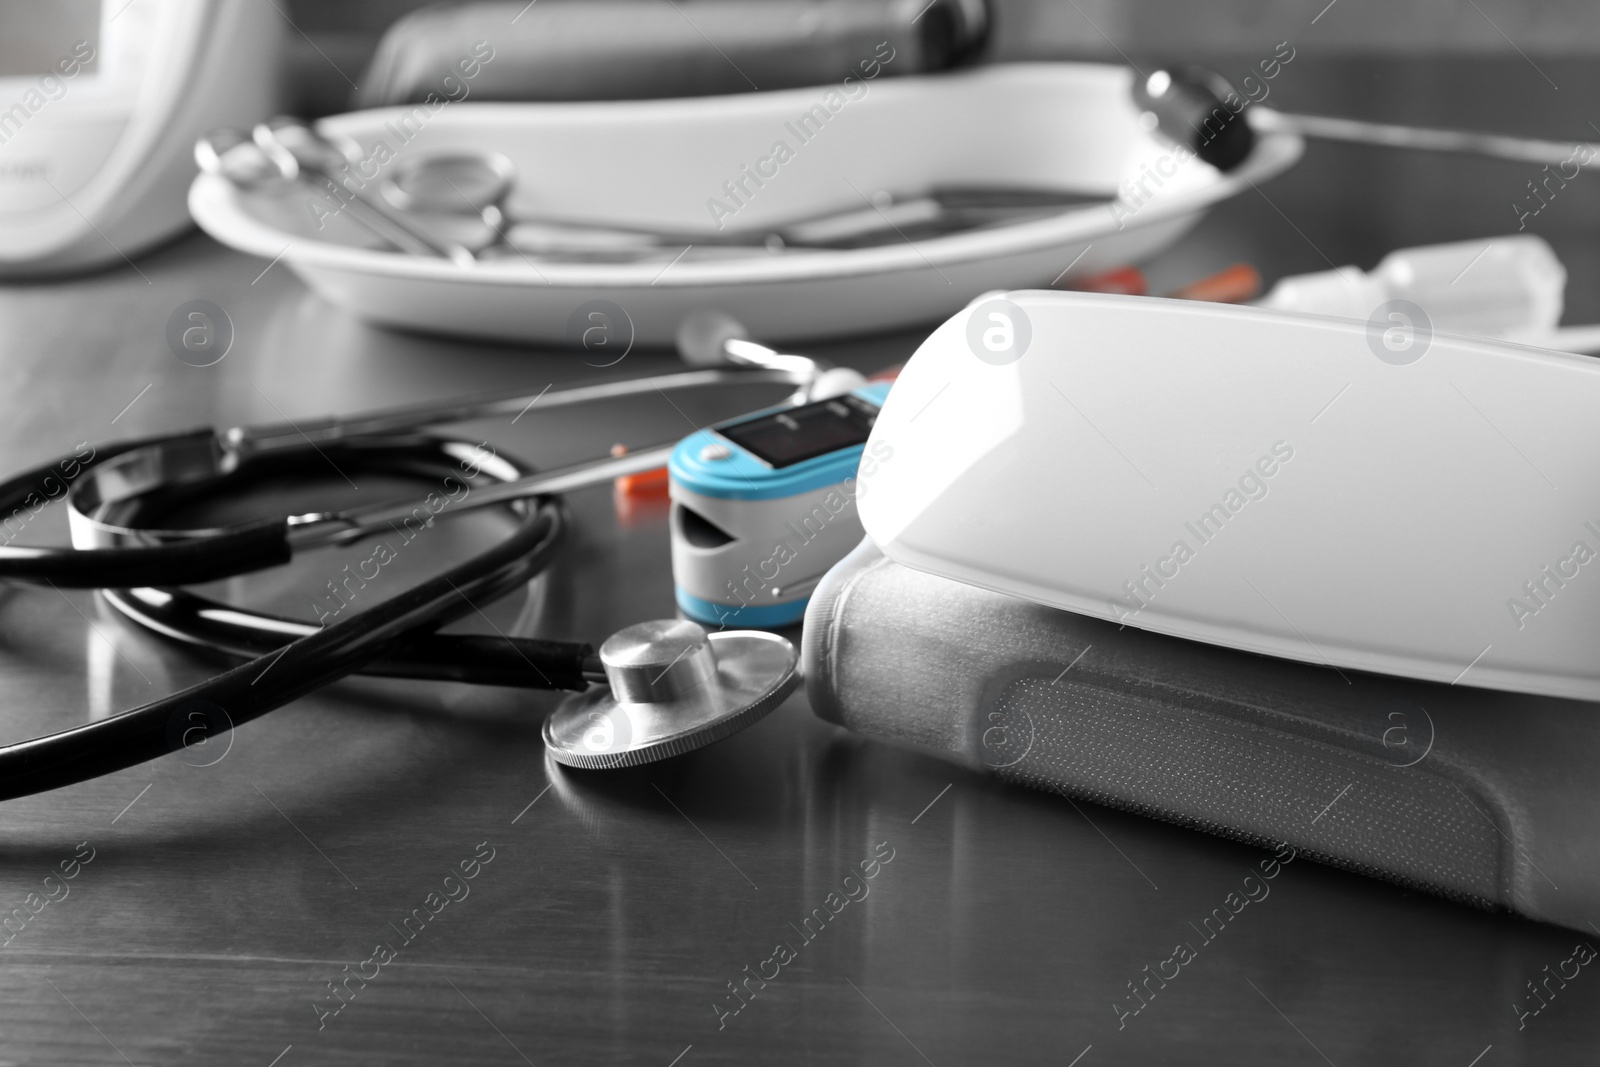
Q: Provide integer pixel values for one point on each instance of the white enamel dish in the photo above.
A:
(657, 163)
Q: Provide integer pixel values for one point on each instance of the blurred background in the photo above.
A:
(1501, 65)
(1394, 30)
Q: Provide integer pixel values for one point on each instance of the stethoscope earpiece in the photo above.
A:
(671, 688)
(1197, 108)
(1190, 106)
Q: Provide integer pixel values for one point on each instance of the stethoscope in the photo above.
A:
(654, 690)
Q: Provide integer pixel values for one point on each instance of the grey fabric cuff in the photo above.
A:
(1483, 797)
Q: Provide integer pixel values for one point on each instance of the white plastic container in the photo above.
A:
(1257, 479)
(1506, 287)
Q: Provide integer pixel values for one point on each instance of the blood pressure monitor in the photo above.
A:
(100, 105)
(763, 505)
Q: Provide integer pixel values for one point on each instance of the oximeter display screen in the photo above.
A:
(36, 36)
(797, 434)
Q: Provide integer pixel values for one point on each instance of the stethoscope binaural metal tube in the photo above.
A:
(1390, 135)
(107, 555)
(99, 520)
(1189, 105)
(329, 528)
(402, 419)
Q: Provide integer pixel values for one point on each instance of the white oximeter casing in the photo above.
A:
(1368, 495)
(764, 505)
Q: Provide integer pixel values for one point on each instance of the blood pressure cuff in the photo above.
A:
(639, 49)
(1483, 797)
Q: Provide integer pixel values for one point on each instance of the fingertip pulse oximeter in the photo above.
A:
(764, 505)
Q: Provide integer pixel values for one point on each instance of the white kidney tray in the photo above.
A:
(656, 163)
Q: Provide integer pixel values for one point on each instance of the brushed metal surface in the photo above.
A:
(231, 882)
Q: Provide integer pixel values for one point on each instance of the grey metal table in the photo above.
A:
(222, 892)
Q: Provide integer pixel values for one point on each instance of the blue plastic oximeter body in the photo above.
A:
(764, 505)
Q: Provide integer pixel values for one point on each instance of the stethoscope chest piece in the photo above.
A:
(672, 688)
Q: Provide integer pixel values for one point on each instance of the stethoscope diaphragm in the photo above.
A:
(672, 688)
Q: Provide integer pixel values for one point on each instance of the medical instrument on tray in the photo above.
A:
(1198, 108)
(298, 149)
(453, 205)
(443, 188)
(443, 191)
(701, 690)
(244, 162)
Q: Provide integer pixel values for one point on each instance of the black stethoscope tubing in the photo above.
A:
(239, 632)
(293, 669)
(394, 637)
(235, 551)
(517, 662)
